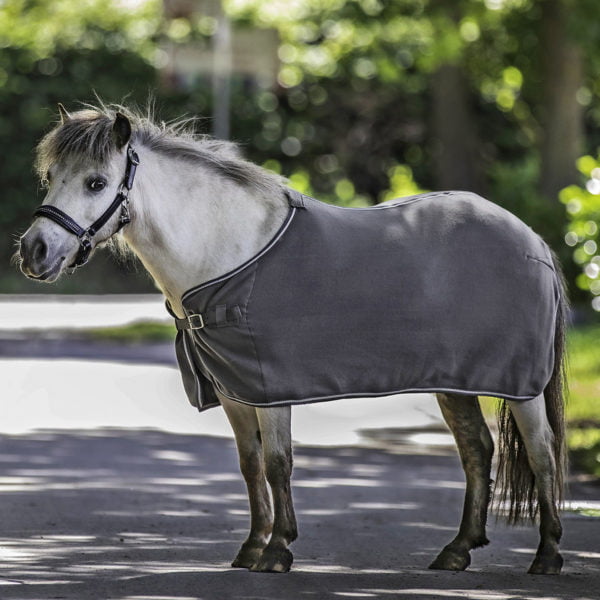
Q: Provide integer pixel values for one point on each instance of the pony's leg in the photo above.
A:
(246, 429)
(475, 447)
(532, 422)
(277, 447)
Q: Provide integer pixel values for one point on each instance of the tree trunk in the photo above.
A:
(455, 143)
(561, 118)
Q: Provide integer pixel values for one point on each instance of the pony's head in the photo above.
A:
(83, 163)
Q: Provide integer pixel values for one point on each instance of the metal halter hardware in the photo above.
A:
(85, 235)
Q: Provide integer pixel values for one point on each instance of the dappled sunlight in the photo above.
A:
(426, 483)
(425, 525)
(353, 417)
(171, 455)
(591, 555)
(153, 597)
(101, 499)
(462, 593)
(384, 506)
(323, 482)
(158, 515)
(432, 439)
(590, 508)
(167, 513)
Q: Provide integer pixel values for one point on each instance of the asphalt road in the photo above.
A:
(141, 514)
(147, 514)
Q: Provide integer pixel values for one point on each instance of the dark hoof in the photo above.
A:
(248, 556)
(451, 560)
(274, 560)
(546, 565)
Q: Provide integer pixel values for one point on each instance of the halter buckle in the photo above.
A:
(196, 321)
(83, 254)
(125, 216)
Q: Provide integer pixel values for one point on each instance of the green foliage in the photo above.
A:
(401, 184)
(135, 333)
(584, 374)
(360, 71)
(582, 408)
(584, 446)
(62, 51)
(583, 414)
(583, 209)
(514, 186)
(349, 107)
(349, 119)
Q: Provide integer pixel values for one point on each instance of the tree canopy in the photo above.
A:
(373, 100)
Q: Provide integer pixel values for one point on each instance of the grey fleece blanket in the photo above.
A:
(437, 292)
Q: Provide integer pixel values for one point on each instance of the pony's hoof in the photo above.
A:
(546, 565)
(247, 557)
(451, 560)
(274, 560)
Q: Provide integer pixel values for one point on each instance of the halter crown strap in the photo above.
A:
(84, 235)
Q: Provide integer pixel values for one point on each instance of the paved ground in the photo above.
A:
(90, 512)
(147, 514)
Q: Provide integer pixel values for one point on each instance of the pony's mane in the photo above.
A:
(88, 135)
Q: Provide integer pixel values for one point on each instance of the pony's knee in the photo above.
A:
(276, 444)
(251, 465)
(278, 467)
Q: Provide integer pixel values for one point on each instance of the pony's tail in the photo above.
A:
(515, 482)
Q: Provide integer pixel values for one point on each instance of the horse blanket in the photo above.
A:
(436, 292)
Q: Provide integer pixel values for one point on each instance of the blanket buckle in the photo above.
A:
(196, 321)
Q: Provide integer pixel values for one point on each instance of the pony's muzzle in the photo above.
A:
(38, 260)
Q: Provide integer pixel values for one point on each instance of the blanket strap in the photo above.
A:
(296, 199)
(220, 315)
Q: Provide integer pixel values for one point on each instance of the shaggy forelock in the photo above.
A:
(88, 136)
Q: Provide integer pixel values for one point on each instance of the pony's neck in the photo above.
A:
(190, 225)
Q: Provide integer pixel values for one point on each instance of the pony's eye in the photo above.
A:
(96, 184)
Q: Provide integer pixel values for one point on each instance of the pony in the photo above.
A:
(198, 216)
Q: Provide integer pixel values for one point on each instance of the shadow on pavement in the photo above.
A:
(147, 514)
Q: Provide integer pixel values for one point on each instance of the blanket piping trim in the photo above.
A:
(274, 240)
(192, 366)
(287, 223)
(544, 261)
(317, 399)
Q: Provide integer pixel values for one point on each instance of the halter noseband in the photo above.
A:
(85, 235)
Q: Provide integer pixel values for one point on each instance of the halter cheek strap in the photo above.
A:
(85, 235)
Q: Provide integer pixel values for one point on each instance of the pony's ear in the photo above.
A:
(64, 115)
(121, 130)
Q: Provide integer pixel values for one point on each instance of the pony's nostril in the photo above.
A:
(40, 251)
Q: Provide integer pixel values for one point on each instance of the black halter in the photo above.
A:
(85, 235)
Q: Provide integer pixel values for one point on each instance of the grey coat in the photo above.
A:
(437, 292)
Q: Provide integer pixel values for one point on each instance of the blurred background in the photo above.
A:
(355, 101)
